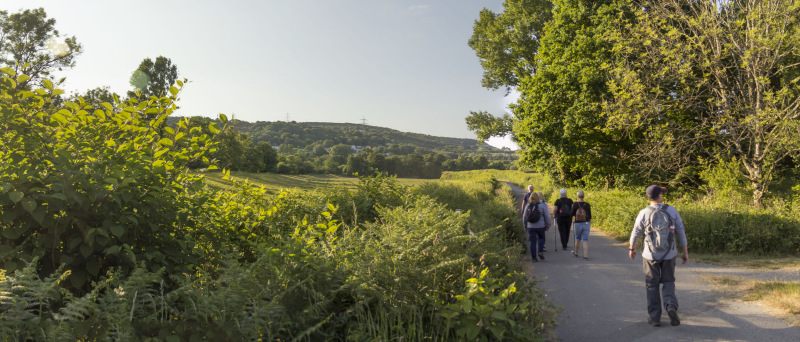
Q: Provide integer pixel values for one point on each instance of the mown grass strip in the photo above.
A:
(781, 296)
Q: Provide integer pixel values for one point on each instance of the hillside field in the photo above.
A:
(274, 183)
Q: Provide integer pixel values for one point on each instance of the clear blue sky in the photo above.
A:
(404, 65)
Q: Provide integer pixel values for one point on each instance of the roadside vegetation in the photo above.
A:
(109, 234)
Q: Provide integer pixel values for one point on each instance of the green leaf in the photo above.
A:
(29, 204)
(57, 92)
(58, 117)
(223, 118)
(22, 78)
(59, 195)
(8, 71)
(160, 153)
(117, 230)
(92, 267)
(212, 127)
(15, 196)
(111, 181)
(112, 250)
(165, 142)
(48, 84)
(173, 91)
(86, 251)
(331, 207)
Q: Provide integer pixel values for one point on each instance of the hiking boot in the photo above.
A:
(541, 256)
(563, 248)
(655, 324)
(673, 316)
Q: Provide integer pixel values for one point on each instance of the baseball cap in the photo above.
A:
(654, 190)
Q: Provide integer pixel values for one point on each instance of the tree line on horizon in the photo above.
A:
(630, 92)
(337, 149)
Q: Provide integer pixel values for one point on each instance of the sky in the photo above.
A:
(398, 64)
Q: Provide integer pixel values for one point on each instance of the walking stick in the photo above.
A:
(555, 243)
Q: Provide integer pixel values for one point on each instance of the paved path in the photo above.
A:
(603, 299)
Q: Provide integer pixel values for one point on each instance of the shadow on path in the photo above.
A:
(603, 299)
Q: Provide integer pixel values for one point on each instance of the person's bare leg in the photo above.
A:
(577, 248)
(585, 246)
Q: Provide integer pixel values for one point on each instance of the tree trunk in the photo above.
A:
(758, 193)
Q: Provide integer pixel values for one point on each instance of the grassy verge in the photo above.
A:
(748, 261)
(783, 298)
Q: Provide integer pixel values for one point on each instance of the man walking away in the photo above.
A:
(563, 214)
(659, 224)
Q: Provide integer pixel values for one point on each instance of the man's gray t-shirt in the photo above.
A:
(680, 233)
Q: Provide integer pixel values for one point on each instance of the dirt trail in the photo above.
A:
(603, 299)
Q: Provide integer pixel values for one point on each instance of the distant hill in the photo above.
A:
(308, 135)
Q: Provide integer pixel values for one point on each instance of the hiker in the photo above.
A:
(659, 224)
(536, 220)
(525, 199)
(563, 215)
(582, 212)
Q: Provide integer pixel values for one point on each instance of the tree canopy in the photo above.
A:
(624, 89)
(31, 45)
(153, 78)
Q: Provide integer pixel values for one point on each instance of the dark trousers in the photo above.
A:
(659, 272)
(537, 241)
(564, 229)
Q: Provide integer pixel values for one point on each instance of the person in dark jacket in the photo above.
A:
(582, 212)
(563, 215)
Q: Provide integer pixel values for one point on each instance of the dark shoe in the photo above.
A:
(535, 260)
(563, 248)
(574, 254)
(673, 316)
(586, 258)
(541, 256)
(655, 324)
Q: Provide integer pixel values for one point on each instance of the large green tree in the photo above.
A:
(31, 45)
(734, 66)
(153, 78)
(506, 43)
(558, 120)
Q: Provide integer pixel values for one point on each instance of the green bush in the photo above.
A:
(94, 191)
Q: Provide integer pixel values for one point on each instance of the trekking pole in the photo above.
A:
(555, 243)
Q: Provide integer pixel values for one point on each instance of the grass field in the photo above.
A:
(274, 183)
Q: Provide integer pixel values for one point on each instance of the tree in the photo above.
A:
(340, 152)
(558, 119)
(506, 43)
(153, 78)
(95, 97)
(30, 45)
(733, 65)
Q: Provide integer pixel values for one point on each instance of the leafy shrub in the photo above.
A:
(94, 191)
